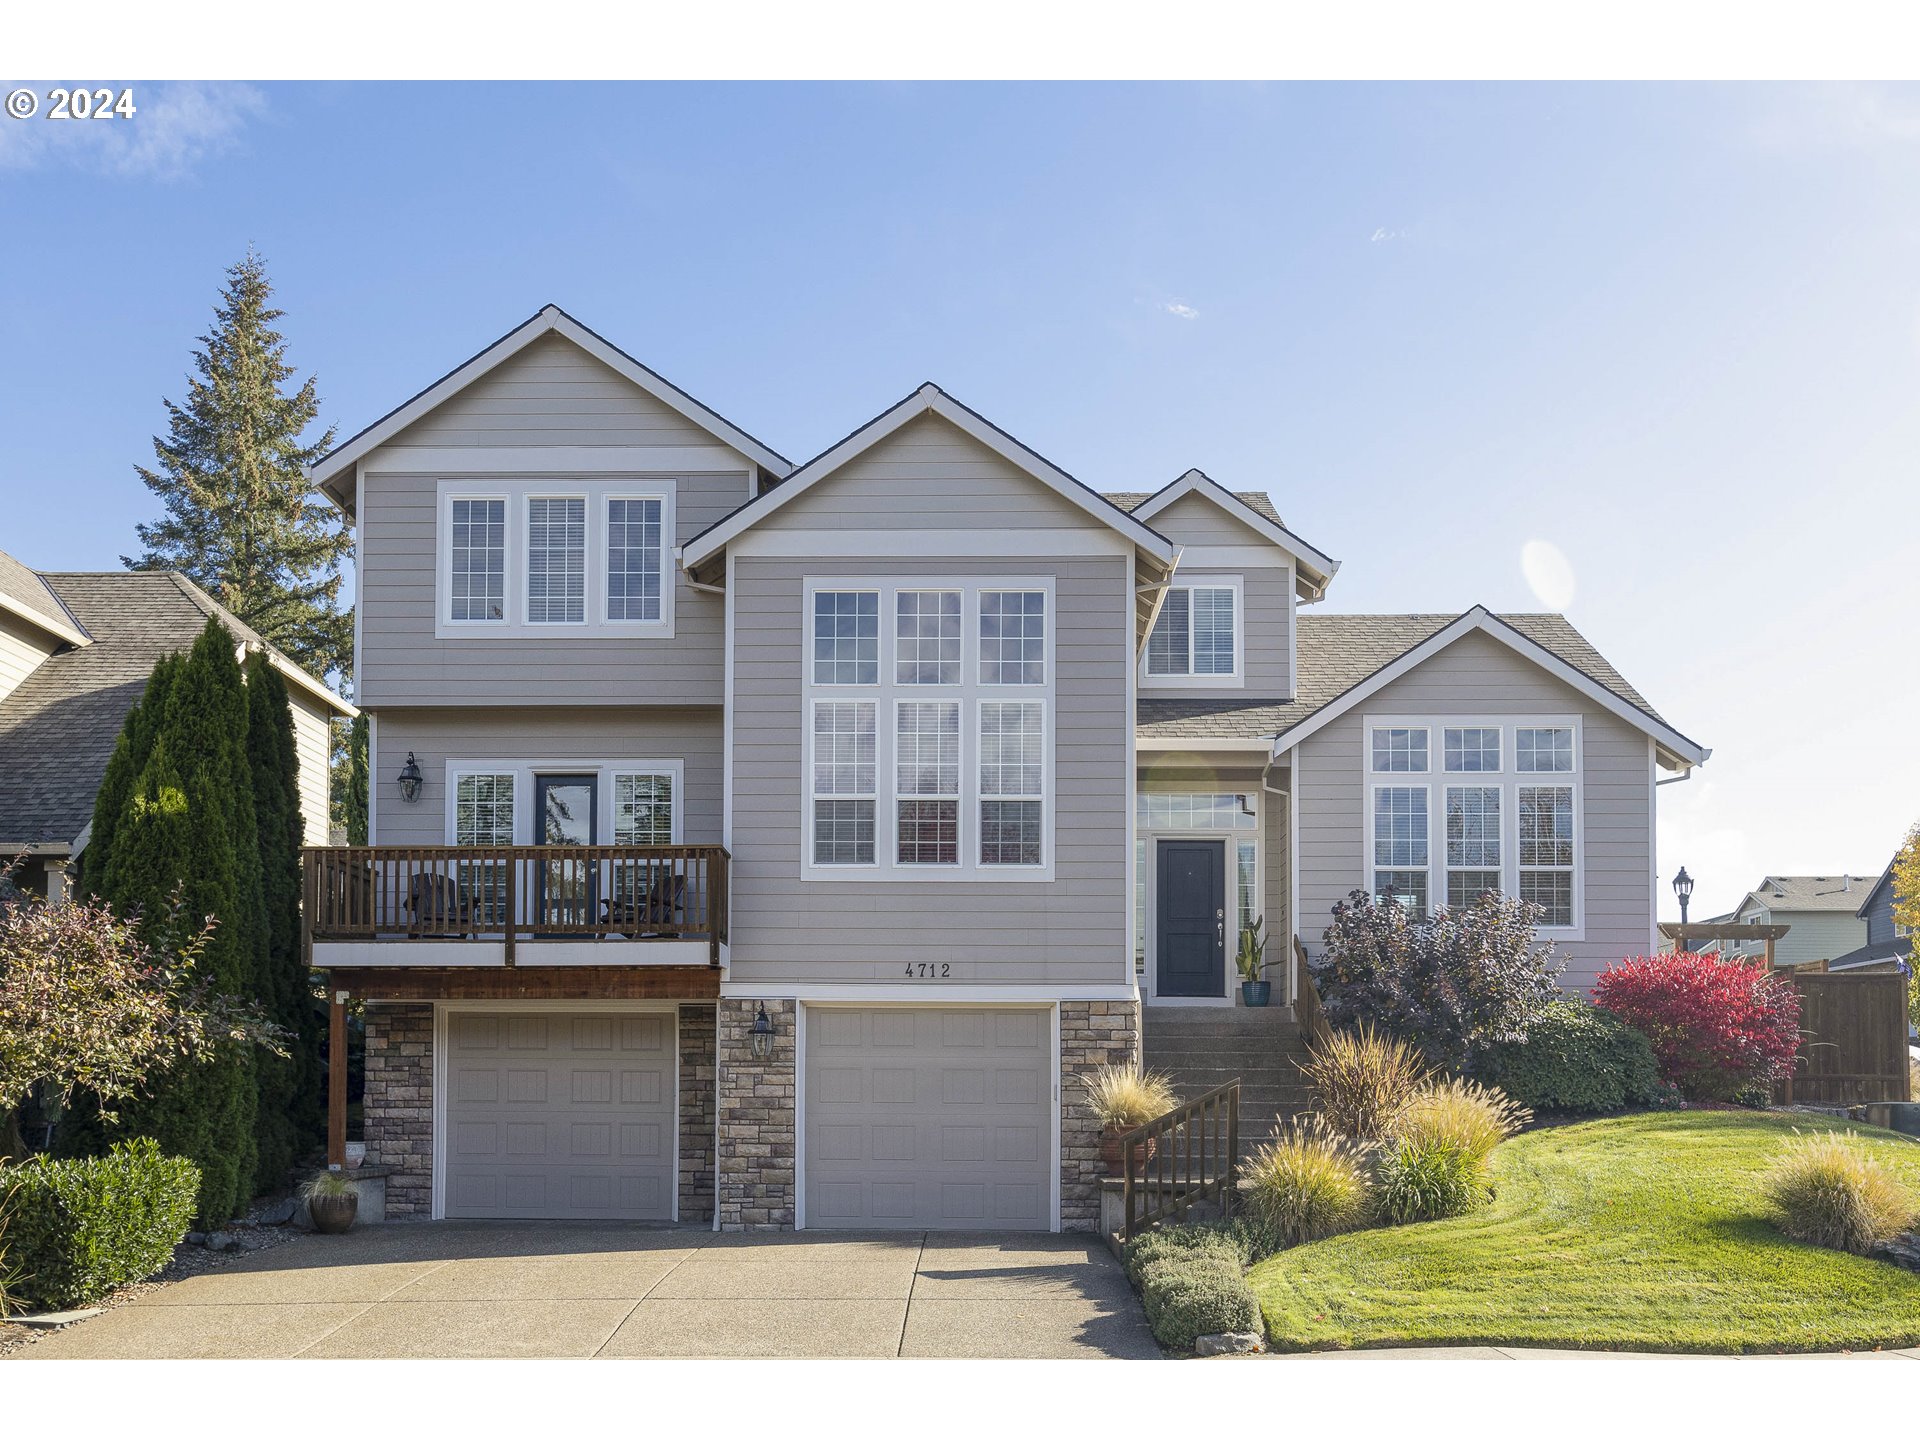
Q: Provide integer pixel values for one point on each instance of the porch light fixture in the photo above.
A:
(760, 1038)
(411, 779)
(1683, 888)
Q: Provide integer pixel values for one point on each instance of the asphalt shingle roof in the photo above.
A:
(29, 589)
(1337, 652)
(1841, 893)
(1259, 500)
(58, 727)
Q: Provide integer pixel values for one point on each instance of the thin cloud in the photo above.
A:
(174, 127)
(1836, 116)
(1176, 307)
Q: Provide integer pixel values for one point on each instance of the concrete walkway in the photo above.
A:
(472, 1290)
(1520, 1352)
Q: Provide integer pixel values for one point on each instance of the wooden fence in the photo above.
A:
(1187, 1156)
(1853, 1047)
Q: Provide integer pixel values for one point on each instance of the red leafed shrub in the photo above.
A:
(1719, 1024)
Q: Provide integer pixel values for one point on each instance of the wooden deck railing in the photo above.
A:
(517, 892)
(1186, 1156)
(1307, 1013)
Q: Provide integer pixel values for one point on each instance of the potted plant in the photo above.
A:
(1251, 959)
(1124, 1097)
(333, 1200)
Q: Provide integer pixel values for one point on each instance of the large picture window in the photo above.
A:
(938, 691)
(1491, 819)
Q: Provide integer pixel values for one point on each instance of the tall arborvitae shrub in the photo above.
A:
(188, 832)
(290, 1116)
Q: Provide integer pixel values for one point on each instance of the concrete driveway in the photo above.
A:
(473, 1290)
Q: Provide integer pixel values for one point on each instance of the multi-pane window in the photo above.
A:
(1400, 848)
(1012, 782)
(1546, 851)
(927, 782)
(846, 637)
(927, 637)
(1194, 632)
(478, 552)
(1184, 810)
(1543, 750)
(1013, 637)
(635, 556)
(556, 560)
(482, 815)
(1474, 748)
(1399, 750)
(1473, 842)
(642, 809)
(844, 778)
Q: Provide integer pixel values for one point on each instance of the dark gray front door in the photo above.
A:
(1192, 949)
(567, 885)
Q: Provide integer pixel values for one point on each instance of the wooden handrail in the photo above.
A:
(516, 892)
(1307, 1013)
(1188, 1155)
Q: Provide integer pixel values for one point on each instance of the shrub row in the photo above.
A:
(75, 1229)
(1576, 1057)
(1189, 1278)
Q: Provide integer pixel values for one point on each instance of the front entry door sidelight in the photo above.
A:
(1191, 953)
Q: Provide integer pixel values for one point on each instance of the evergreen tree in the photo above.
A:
(129, 758)
(348, 781)
(241, 520)
(290, 1119)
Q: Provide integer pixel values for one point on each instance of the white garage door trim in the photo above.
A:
(442, 1009)
(800, 1089)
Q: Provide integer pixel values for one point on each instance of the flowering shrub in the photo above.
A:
(1450, 986)
(1719, 1024)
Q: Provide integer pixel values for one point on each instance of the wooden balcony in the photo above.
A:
(514, 905)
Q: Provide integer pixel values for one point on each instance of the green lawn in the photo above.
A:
(1645, 1232)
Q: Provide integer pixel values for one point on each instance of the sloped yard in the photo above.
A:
(1644, 1232)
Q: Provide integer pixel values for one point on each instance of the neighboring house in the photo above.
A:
(75, 653)
(1823, 911)
(779, 844)
(1888, 944)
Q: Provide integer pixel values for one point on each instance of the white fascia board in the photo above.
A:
(346, 710)
(930, 996)
(1200, 483)
(928, 399)
(337, 464)
(45, 623)
(1669, 740)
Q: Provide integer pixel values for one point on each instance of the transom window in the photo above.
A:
(1196, 634)
(1504, 831)
(942, 688)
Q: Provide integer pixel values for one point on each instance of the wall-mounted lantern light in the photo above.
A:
(760, 1038)
(411, 779)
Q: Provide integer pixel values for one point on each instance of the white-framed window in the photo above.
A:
(483, 808)
(638, 802)
(1196, 638)
(526, 556)
(930, 729)
(643, 808)
(1502, 813)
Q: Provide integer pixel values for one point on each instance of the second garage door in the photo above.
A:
(936, 1119)
(560, 1117)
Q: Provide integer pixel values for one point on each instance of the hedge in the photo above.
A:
(1190, 1282)
(76, 1229)
(1576, 1057)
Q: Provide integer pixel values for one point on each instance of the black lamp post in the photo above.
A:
(411, 779)
(1683, 887)
(760, 1038)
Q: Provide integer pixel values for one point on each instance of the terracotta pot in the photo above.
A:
(334, 1214)
(1143, 1151)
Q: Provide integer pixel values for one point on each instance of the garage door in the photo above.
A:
(560, 1117)
(929, 1118)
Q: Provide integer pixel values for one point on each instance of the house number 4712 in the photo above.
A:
(929, 970)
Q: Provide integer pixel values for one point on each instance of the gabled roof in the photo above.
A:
(58, 726)
(24, 593)
(1344, 658)
(1256, 500)
(1315, 569)
(333, 472)
(1873, 891)
(929, 399)
(1831, 894)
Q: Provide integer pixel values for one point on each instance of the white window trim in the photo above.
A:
(1237, 680)
(1436, 780)
(604, 771)
(518, 492)
(1257, 833)
(887, 693)
(526, 559)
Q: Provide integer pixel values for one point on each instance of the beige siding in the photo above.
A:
(631, 733)
(553, 393)
(1478, 676)
(1267, 646)
(1196, 520)
(313, 749)
(929, 475)
(22, 648)
(1071, 930)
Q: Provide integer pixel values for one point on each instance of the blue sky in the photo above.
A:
(1668, 335)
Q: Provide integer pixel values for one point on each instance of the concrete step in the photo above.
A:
(1258, 1017)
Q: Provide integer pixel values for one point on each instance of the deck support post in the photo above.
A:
(336, 1078)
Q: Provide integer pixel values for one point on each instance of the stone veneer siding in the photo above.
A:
(1092, 1033)
(757, 1115)
(697, 1046)
(398, 1104)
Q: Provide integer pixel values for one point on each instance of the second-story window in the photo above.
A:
(846, 637)
(927, 637)
(556, 560)
(1196, 635)
(478, 550)
(927, 781)
(635, 558)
